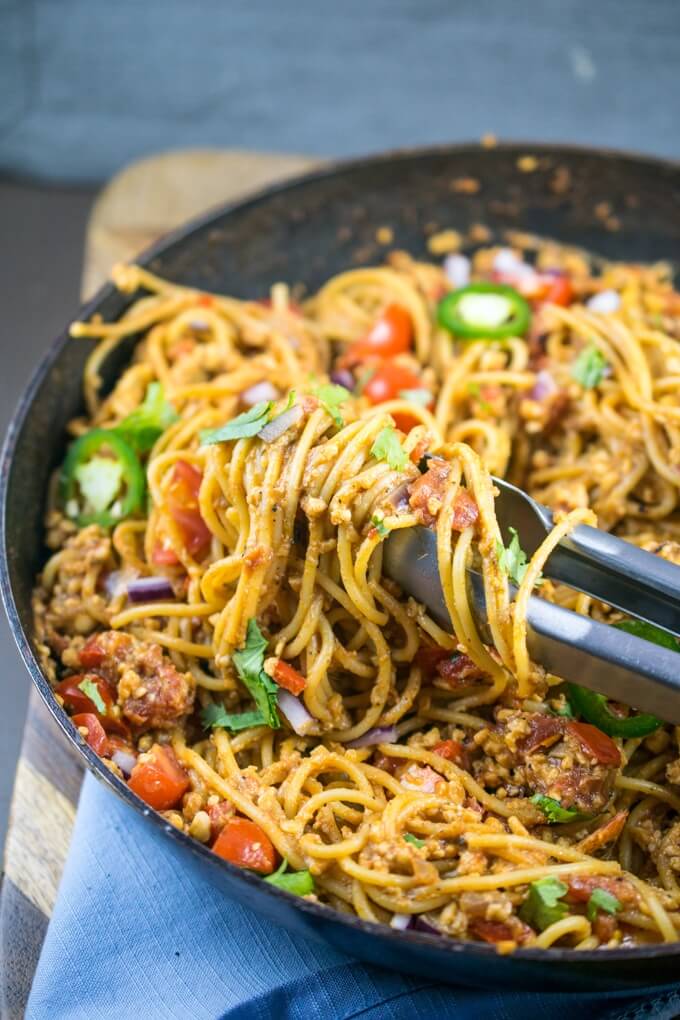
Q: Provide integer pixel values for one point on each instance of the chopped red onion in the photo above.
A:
(401, 921)
(259, 392)
(277, 426)
(422, 924)
(378, 735)
(343, 377)
(457, 269)
(398, 498)
(605, 302)
(116, 583)
(150, 589)
(295, 712)
(199, 325)
(544, 386)
(125, 760)
(507, 262)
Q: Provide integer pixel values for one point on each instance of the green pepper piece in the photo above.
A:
(456, 312)
(594, 708)
(111, 469)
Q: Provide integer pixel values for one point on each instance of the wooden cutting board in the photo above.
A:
(145, 201)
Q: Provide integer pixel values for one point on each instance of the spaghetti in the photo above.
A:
(215, 617)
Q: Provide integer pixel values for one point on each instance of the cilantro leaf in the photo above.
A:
(249, 663)
(553, 810)
(300, 883)
(421, 397)
(649, 632)
(90, 690)
(149, 421)
(387, 447)
(542, 907)
(600, 899)
(590, 367)
(380, 526)
(513, 560)
(214, 715)
(410, 838)
(332, 397)
(291, 400)
(100, 479)
(474, 391)
(243, 426)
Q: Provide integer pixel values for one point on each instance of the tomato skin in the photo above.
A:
(596, 742)
(289, 678)
(159, 780)
(390, 334)
(387, 382)
(183, 508)
(245, 844)
(96, 737)
(405, 422)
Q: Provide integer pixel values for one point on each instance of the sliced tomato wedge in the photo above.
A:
(95, 737)
(388, 380)
(159, 779)
(596, 743)
(390, 334)
(289, 678)
(245, 844)
(184, 510)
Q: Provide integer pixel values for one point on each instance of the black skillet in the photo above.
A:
(613, 204)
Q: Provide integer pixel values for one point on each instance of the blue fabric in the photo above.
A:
(133, 935)
(88, 85)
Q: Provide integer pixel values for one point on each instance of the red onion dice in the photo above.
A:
(150, 589)
(277, 426)
(259, 392)
(604, 303)
(378, 735)
(343, 377)
(457, 269)
(422, 924)
(295, 712)
(401, 921)
(544, 386)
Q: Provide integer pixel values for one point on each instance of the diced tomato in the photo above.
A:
(159, 779)
(390, 334)
(183, 507)
(596, 743)
(96, 737)
(405, 422)
(76, 700)
(91, 655)
(452, 750)
(428, 658)
(289, 678)
(558, 290)
(388, 380)
(245, 844)
(164, 555)
(205, 300)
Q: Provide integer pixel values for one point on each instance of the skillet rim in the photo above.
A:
(336, 168)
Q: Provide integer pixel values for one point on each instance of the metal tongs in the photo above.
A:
(613, 662)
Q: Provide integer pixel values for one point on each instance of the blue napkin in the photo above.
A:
(134, 936)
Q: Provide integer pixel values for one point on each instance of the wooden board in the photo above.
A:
(142, 203)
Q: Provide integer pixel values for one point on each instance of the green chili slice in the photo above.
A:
(489, 310)
(102, 481)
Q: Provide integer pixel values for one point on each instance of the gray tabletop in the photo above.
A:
(86, 86)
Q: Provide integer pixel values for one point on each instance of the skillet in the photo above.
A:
(613, 204)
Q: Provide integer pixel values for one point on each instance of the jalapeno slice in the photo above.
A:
(102, 481)
(487, 310)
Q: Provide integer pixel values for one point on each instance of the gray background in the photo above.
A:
(87, 85)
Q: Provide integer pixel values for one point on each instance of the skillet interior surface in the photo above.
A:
(612, 204)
